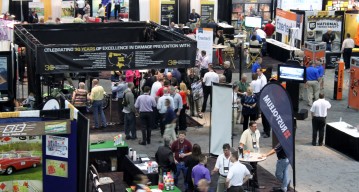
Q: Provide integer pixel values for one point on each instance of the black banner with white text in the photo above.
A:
(87, 58)
(276, 105)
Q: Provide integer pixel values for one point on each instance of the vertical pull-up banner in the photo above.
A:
(276, 106)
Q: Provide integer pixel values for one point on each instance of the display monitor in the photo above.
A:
(292, 73)
(253, 22)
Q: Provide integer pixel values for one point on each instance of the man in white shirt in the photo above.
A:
(261, 33)
(237, 175)
(255, 84)
(319, 114)
(222, 166)
(101, 12)
(80, 7)
(348, 45)
(204, 62)
(250, 141)
(208, 78)
(162, 108)
(156, 85)
(262, 78)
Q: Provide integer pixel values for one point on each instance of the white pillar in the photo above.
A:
(144, 10)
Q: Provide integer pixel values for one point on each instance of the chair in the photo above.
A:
(100, 181)
(250, 169)
(229, 54)
(254, 52)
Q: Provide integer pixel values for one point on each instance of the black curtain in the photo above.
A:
(184, 10)
(134, 14)
(225, 10)
(15, 9)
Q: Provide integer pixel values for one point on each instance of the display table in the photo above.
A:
(253, 157)
(155, 187)
(278, 50)
(103, 152)
(344, 138)
(130, 170)
(227, 29)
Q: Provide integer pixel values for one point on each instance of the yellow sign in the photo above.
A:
(168, 2)
(323, 13)
(207, 2)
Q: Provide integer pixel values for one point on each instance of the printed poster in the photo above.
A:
(38, 7)
(3, 73)
(57, 146)
(21, 160)
(67, 9)
(204, 38)
(56, 168)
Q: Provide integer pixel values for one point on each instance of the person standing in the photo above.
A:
(177, 102)
(190, 162)
(220, 42)
(182, 116)
(269, 28)
(96, 97)
(79, 97)
(262, 78)
(144, 105)
(119, 88)
(209, 78)
(200, 171)
(162, 108)
(237, 175)
(204, 63)
(328, 37)
(101, 12)
(227, 71)
(222, 166)
(255, 84)
(312, 83)
(256, 65)
(319, 115)
(117, 9)
(347, 47)
(129, 111)
(108, 10)
(250, 141)
(249, 109)
(164, 158)
(181, 149)
(194, 100)
(281, 171)
(170, 120)
(87, 9)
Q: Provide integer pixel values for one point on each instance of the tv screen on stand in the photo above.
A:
(253, 22)
(292, 73)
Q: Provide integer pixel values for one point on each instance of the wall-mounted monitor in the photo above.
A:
(292, 73)
(253, 22)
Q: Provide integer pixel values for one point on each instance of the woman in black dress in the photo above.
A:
(190, 162)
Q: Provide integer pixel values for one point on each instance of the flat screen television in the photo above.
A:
(292, 73)
(253, 22)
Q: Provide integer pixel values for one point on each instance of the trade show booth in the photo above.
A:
(89, 47)
(44, 150)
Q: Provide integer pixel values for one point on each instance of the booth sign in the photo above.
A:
(35, 128)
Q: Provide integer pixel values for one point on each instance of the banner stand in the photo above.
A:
(338, 81)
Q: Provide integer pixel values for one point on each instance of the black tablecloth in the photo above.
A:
(130, 170)
(342, 142)
(120, 153)
(229, 30)
(277, 52)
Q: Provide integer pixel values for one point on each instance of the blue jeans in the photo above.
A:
(97, 108)
(282, 172)
(181, 167)
(130, 122)
(329, 47)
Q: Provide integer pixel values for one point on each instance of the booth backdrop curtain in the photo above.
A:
(184, 10)
(134, 10)
(15, 9)
(155, 10)
(225, 11)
